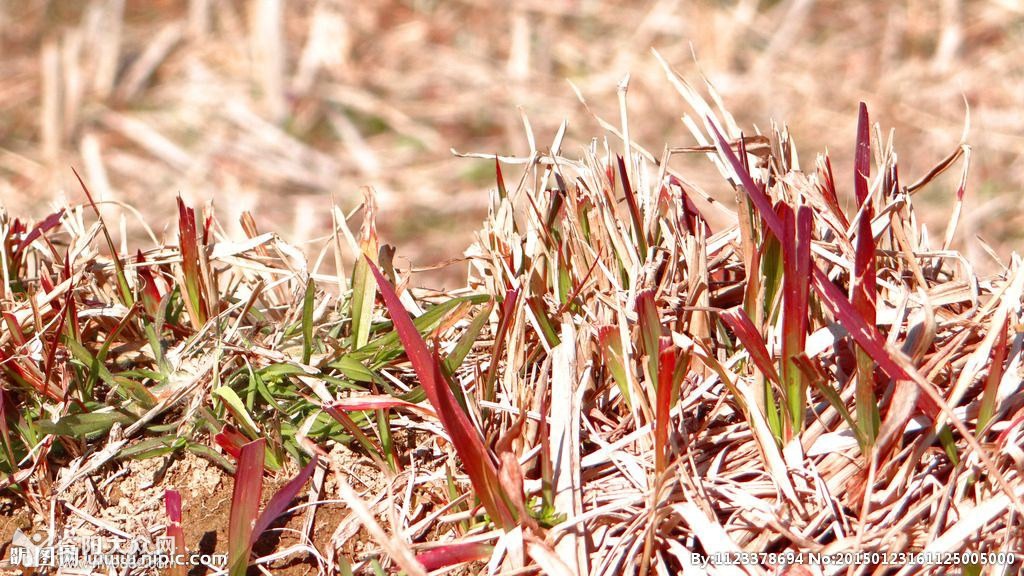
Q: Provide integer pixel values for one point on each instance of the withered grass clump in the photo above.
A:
(637, 377)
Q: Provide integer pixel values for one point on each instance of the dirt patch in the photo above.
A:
(129, 498)
(134, 502)
(287, 532)
(205, 506)
(13, 517)
(206, 512)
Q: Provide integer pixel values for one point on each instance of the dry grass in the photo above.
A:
(713, 347)
(632, 362)
(276, 106)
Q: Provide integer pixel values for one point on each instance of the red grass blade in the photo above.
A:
(172, 503)
(666, 369)
(29, 374)
(465, 438)
(245, 505)
(634, 209)
(508, 311)
(796, 257)
(866, 335)
(452, 554)
(756, 193)
(280, 501)
(862, 156)
(375, 452)
(740, 324)
(502, 191)
(231, 440)
(828, 190)
(846, 315)
(5, 430)
(38, 230)
(149, 292)
(188, 244)
(863, 286)
(14, 328)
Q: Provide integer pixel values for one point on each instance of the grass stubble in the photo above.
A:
(634, 373)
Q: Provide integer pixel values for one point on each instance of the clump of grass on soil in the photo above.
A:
(635, 378)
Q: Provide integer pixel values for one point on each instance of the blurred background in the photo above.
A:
(277, 106)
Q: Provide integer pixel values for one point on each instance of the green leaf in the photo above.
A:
(388, 347)
(547, 327)
(467, 340)
(234, 405)
(125, 387)
(353, 369)
(650, 332)
(364, 292)
(85, 424)
(153, 447)
(307, 321)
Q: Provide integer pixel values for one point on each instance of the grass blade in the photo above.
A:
(666, 370)
(650, 332)
(375, 452)
(364, 290)
(747, 333)
(235, 405)
(611, 353)
(245, 505)
(188, 245)
(866, 335)
(995, 374)
(122, 281)
(148, 289)
(452, 554)
(172, 503)
(462, 348)
(380, 402)
(502, 191)
(230, 440)
(279, 502)
(796, 256)
(508, 312)
(308, 302)
(862, 287)
(634, 209)
(465, 438)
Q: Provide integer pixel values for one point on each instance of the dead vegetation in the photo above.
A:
(637, 376)
(276, 106)
(661, 357)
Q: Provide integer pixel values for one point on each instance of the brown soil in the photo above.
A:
(130, 497)
(206, 513)
(13, 517)
(134, 502)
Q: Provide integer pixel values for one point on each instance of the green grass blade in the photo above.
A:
(308, 303)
